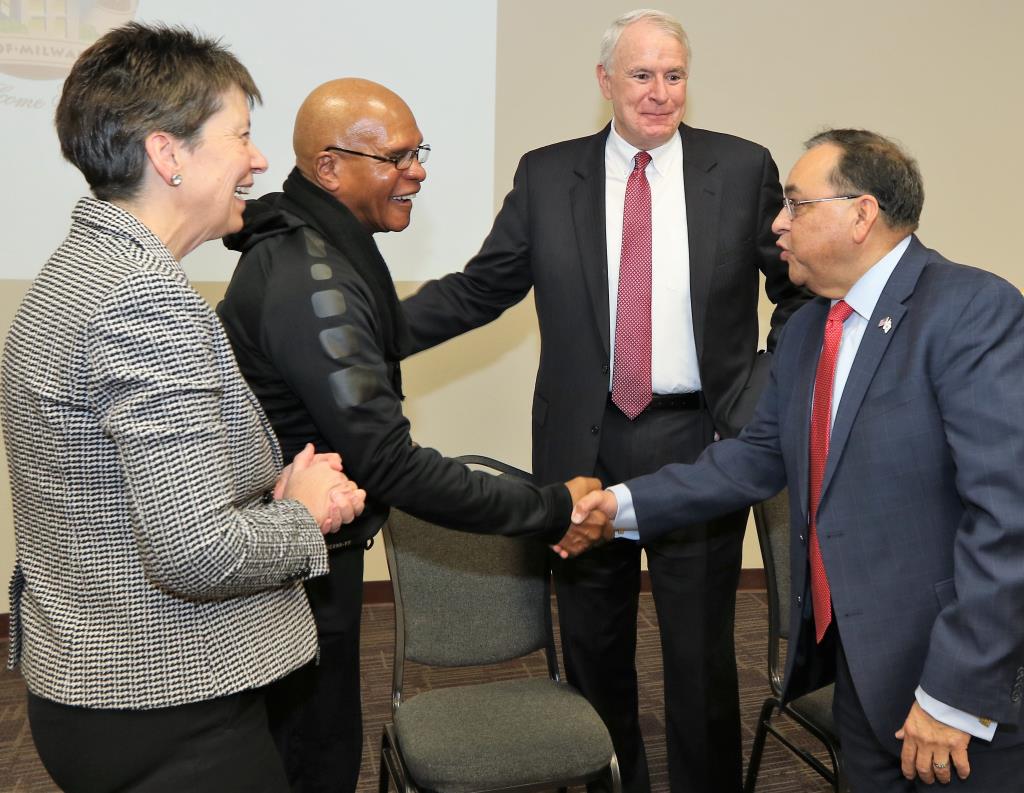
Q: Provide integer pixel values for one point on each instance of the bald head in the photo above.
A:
(347, 113)
(375, 126)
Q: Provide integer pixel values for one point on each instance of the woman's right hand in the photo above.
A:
(317, 482)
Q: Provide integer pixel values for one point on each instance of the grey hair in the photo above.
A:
(662, 21)
(871, 164)
(134, 80)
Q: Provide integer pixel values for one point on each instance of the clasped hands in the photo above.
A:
(316, 481)
(591, 525)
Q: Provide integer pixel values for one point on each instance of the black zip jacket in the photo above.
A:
(318, 333)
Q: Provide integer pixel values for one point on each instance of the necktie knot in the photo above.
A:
(641, 160)
(840, 312)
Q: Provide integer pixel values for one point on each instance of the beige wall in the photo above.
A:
(10, 297)
(941, 76)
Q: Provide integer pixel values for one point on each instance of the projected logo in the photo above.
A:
(40, 39)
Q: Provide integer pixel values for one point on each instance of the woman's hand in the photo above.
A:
(316, 481)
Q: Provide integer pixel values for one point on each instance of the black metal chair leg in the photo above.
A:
(839, 783)
(383, 783)
(758, 748)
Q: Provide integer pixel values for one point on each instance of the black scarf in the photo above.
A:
(339, 226)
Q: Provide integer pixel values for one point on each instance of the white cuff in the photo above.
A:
(625, 516)
(977, 726)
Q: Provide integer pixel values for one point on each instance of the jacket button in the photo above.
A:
(802, 538)
(594, 429)
(604, 369)
(799, 600)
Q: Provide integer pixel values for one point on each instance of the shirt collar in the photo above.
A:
(864, 294)
(619, 154)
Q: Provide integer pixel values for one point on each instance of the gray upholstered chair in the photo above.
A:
(813, 712)
(466, 599)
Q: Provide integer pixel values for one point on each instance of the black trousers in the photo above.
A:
(874, 767)
(315, 713)
(694, 573)
(215, 746)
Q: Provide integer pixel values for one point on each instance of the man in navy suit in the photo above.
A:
(907, 552)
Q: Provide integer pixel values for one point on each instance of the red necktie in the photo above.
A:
(821, 429)
(631, 377)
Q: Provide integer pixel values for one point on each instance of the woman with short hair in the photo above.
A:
(160, 548)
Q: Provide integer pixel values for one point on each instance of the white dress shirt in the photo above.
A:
(862, 298)
(673, 349)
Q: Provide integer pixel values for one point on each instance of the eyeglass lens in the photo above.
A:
(420, 154)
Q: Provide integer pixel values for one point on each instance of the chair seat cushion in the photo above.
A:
(502, 734)
(816, 707)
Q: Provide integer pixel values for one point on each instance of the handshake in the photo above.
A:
(318, 483)
(594, 509)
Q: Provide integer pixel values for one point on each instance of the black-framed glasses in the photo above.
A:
(401, 161)
(791, 205)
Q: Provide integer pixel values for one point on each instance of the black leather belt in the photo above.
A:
(692, 400)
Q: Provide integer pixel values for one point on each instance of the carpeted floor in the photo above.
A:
(21, 772)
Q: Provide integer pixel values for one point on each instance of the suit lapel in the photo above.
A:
(888, 311)
(804, 387)
(703, 198)
(588, 214)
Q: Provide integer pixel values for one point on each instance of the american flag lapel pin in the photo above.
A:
(885, 324)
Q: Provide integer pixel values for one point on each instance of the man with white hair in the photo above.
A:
(643, 244)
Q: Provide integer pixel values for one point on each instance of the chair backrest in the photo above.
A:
(772, 520)
(464, 599)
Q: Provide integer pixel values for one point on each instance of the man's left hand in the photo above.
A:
(932, 749)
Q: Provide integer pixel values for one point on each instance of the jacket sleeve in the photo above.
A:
(200, 527)
(975, 660)
(786, 296)
(321, 336)
(498, 277)
(731, 474)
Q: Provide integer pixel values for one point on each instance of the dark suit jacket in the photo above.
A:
(550, 234)
(921, 520)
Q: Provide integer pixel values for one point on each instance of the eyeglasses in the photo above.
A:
(791, 205)
(400, 161)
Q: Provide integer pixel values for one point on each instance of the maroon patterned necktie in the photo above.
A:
(631, 377)
(821, 429)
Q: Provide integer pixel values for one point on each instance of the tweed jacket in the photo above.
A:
(151, 568)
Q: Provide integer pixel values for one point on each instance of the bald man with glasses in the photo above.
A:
(318, 332)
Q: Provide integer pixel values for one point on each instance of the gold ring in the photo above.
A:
(940, 766)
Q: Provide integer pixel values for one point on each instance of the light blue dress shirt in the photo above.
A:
(862, 298)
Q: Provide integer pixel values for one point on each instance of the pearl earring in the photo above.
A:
(176, 180)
